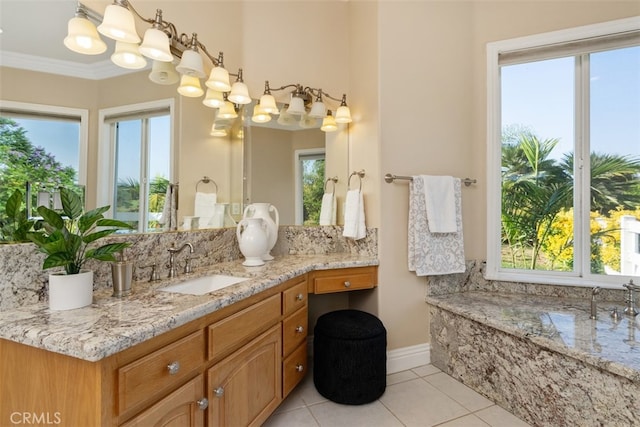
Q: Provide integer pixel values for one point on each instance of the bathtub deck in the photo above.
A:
(541, 357)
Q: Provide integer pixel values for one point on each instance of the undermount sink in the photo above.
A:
(204, 285)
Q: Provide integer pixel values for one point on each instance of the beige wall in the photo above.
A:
(432, 119)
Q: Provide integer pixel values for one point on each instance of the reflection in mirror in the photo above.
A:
(286, 163)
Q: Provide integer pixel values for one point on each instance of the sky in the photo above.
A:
(540, 96)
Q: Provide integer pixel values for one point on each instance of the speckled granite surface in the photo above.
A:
(541, 357)
(111, 324)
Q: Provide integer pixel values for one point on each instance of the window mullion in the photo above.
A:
(144, 176)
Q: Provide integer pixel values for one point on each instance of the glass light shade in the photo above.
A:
(213, 99)
(285, 118)
(308, 122)
(318, 110)
(82, 37)
(239, 93)
(191, 64)
(190, 87)
(118, 24)
(343, 115)
(163, 73)
(126, 55)
(156, 45)
(219, 80)
(329, 123)
(268, 104)
(218, 131)
(227, 111)
(259, 115)
(296, 106)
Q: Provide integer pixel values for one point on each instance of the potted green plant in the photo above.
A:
(15, 224)
(67, 240)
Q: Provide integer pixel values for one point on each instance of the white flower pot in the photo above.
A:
(69, 291)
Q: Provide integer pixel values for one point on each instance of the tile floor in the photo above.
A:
(424, 396)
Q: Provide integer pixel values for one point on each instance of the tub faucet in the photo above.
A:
(595, 291)
(630, 309)
(173, 271)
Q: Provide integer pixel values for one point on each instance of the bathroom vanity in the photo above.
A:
(160, 358)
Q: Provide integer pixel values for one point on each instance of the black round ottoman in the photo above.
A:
(350, 357)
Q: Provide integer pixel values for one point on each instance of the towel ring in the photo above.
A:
(334, 180)
(206, 180)
(360, 176)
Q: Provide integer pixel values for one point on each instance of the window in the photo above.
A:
(564, 156)
(137, 140)
(309, 185)
(44, 146)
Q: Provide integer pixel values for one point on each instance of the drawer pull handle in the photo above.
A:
(203, 403)
(299, 329)
(299, 297)
(299, 367)
(173, 367)
(347, 284)
(219, 392)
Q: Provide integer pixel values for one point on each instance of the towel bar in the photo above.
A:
(334, 180)
(206, 180)
(389, 178)
(360, 175)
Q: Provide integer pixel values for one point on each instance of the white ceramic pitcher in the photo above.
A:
(252, 234)
(263, 210)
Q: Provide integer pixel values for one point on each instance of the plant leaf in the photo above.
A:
(97, 235)
(14, 202)
(71, 203)
(56, 260)
(105, 252)
(51, 217)
(108, 222)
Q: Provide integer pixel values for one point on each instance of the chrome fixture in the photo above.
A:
(171, 265)
(162, 43)
(594, 310)
(155, 274)
(630, 309)
(305, 102)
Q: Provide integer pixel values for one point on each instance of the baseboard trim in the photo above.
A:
(401, 359)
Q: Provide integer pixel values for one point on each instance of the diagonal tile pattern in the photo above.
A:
(423, 396)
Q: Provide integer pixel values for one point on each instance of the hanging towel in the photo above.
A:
(169, 217)
(440, 203)
(354, 225)
(328, 209)
(205, 204)
(433, 253)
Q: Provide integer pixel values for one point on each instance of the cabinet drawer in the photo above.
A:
(294, 368)
(154, 373)
(294, 298)
(342, 280)
(238, 329)
(294, 330)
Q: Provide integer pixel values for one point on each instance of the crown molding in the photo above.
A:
(98, 71)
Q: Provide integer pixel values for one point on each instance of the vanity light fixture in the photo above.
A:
(301, 105)
(162, 43)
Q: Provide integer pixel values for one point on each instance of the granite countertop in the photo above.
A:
(111, 325)
(558, 324)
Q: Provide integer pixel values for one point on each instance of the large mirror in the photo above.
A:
(250, 164)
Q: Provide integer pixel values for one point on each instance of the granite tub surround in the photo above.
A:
(23, 282)
(111, 325)
(540, 357)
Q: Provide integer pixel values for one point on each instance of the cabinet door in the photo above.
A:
(184, 407)
(245, 388)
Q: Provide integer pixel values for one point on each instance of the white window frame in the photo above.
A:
(297, 155)
(54, 110)
(107, 150)
(494, 156)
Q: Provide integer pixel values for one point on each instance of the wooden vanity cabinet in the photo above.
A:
(343, 279)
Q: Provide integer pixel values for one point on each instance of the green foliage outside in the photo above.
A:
(22, 162)
(312, 191)
(537, 203)
(128, 198)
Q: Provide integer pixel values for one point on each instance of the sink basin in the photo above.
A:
(204, 285)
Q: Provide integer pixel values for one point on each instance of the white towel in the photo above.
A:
(441, 203)
(328, 209)
(354, 224)
(205, 204)
(433, 253)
